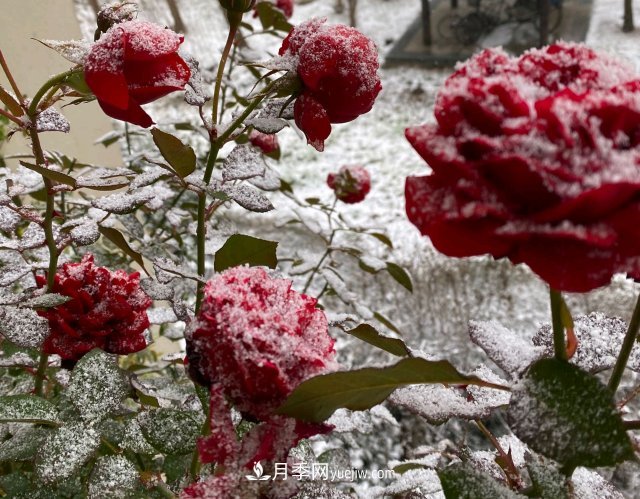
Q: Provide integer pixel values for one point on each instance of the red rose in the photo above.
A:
(337, 66)
(286, 6)
(536, 159)
(258, 339)
(107, 310)
(134, 63)
(266, 142)
(351, 184)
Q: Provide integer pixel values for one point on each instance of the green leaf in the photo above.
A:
(547, 480)
(271, 16)
(113, 477)
(51, 174)
(65, 451)
(10, 102)
(317, 398)
(169, 430)
(400, 275)
(387, 323)
(581, 424)
(240, 249)
(118, 239)
(27, 409)
(382, 238)
(463, 481)
(369, 334)
(97, 386)
(181, 157)
(23, 444)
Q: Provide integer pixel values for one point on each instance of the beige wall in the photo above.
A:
(32, 63)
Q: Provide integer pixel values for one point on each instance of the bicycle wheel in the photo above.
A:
(472, 26)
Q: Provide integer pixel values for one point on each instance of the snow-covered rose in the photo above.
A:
(536, 159)
(351, 183)
(338, 68)
(134, 63)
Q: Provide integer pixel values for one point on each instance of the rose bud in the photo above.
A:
(266, 142)
(239, 6)
(134, 63)
(115, 13)
(351, 183)
(337, 66)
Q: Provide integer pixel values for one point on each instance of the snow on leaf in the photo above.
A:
(23, 326)
(588, 484)
(420, 481)
(165, 389)
(269, 181)
(275, 108)
(197, 93)
(46, 300)
(169, 430)
(249, 198)
(72, 50)
(156, 290)
(346, 421)
(101, 184)
(85, 233)
(511, 353)
(134, 440)
(23, 444)
(124, 202)
(33, 237)
(439, 403)
(97, 385)
(599, 342)
(19, 359)
(168, 266)
(147, 178)
(268, 124)
(9, 219)
(112, 477)
(12, 273)
(51, 120)
(65, 450)
(27, 408)
(242, 163)
(161, 316)
(463, 480)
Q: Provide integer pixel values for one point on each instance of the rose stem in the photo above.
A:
(48, 219)
(11, 117)
(559, 346)
(12, 82)
(627, 346)
(234, 23)
(510, 471)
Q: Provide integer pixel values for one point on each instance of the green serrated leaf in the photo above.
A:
(400, 275)
(369, 334)
(463, 481)
(27, 409)
(241, 249)
(171, 431)
(97, 385)
(113, 477)
(181, 157)
(65, 451)
(317, 398)
(23, 444)
(581, 424)
(118, 239)
(51, 174)
(272, 17)
(176, 467)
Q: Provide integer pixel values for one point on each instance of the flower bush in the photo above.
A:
(105, 310)
(534, 159)
(351, 183)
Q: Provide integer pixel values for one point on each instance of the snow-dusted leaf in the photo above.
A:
(124, 202)
(242, 163)
(268, 124)
(112, 477)
(422, 481)
(197, 93)
(269, 181)
(249, 198)
(157, 290)
(461, 480)
(165, 389)
(18, 359)
(547, 480)
(97, 385)
(168, 266)
(85, 233)
(101, 184)
(180, 156)
(51, 120)
(599, 342)
(345, 421)
(24, 443)
(72, 50)
(169, 430)
(27, 409)
(588, 484)
(23, 326)
(65, 450)
(161, 316)
(148, 178)
(51, 174)
(9, 219)
(369, 334)
(581, 424)
(12, 273)
(439, 403)
(317, 398)
(134, 440)
(278, 108)
(46, 300)
(511, 352)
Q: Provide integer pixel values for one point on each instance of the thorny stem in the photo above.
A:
(12, 82)
(559, 346)
(627, 346)
(510, 471)
(233, 29)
